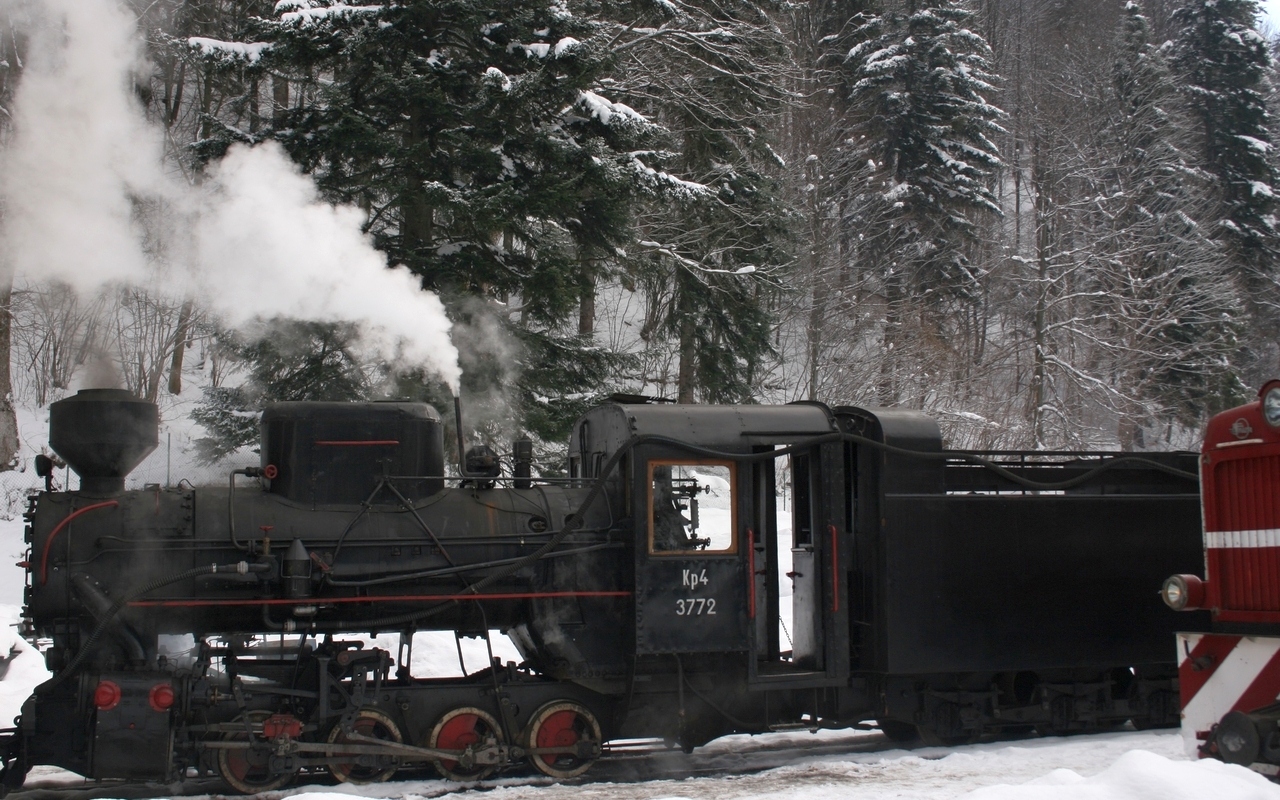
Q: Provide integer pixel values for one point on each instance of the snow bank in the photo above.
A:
(1140, 775)
(1119, 766)
(21, 667)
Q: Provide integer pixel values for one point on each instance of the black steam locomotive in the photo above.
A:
(939, 595)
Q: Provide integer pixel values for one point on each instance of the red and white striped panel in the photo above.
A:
(1242, 534)
(1241, 540)
(1218, 674)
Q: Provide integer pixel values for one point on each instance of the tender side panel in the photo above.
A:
(999, 582)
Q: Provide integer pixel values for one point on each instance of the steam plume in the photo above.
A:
(254, 240)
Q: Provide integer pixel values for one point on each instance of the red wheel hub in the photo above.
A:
(459, 733)
(248, 765)
(558, 730)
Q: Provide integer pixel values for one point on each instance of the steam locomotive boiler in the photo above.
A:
(664, 589)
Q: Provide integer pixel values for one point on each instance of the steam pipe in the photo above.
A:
(48, 543)
(462, 457)
(252, 472)
(98, 604)
(87, 646)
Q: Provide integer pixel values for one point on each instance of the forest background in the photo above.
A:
(1048, 223)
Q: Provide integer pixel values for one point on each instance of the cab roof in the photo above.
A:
(606, 427)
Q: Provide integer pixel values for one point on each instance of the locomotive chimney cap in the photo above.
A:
(103, 434)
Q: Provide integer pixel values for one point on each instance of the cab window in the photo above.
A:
(691, 507)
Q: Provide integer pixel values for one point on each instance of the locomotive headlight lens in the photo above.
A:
(1271, 407)
(1183, 592)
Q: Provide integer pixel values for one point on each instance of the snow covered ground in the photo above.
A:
(1115, 766)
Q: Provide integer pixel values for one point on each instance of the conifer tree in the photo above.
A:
(712, 73)
(491, 160)
(924, 148)
(1165, 308)
(1224, 64)
(284, 360)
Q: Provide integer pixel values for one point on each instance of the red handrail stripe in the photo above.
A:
(48, 543)
(835, 570)
(751, 573)
(359, 443)
(391, 598)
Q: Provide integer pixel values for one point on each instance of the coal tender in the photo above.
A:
(665, 588)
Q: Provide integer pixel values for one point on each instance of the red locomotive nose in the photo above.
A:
(161, 697)
(106, 696)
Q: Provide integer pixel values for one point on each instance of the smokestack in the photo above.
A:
(103, 434)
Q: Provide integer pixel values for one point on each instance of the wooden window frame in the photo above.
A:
(733, 505)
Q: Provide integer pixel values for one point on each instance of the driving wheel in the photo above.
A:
(248, 770)
(459, 729)
(567, 725)
(366, 768)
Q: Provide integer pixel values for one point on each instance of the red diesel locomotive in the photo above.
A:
(1229, 677)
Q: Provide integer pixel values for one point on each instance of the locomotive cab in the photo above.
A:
(730, 538)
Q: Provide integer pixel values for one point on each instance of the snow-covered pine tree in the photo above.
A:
(282, 360)
(713, 73)
(921, 76)
(484, 145)
(1162, 306)
(1223, 64)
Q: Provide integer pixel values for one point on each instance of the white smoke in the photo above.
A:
(297, 256)
(252, 240)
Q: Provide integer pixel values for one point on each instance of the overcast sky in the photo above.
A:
(1270, 15)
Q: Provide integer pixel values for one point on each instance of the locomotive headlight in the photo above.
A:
(1183, 592)
(1271, 407)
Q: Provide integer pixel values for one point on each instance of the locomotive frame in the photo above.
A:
(919, 600)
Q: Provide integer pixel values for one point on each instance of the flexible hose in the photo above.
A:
(48, 543)
(231, 506)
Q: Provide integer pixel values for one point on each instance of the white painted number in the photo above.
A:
(696, 607)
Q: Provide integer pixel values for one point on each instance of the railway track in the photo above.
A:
(627, 763)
